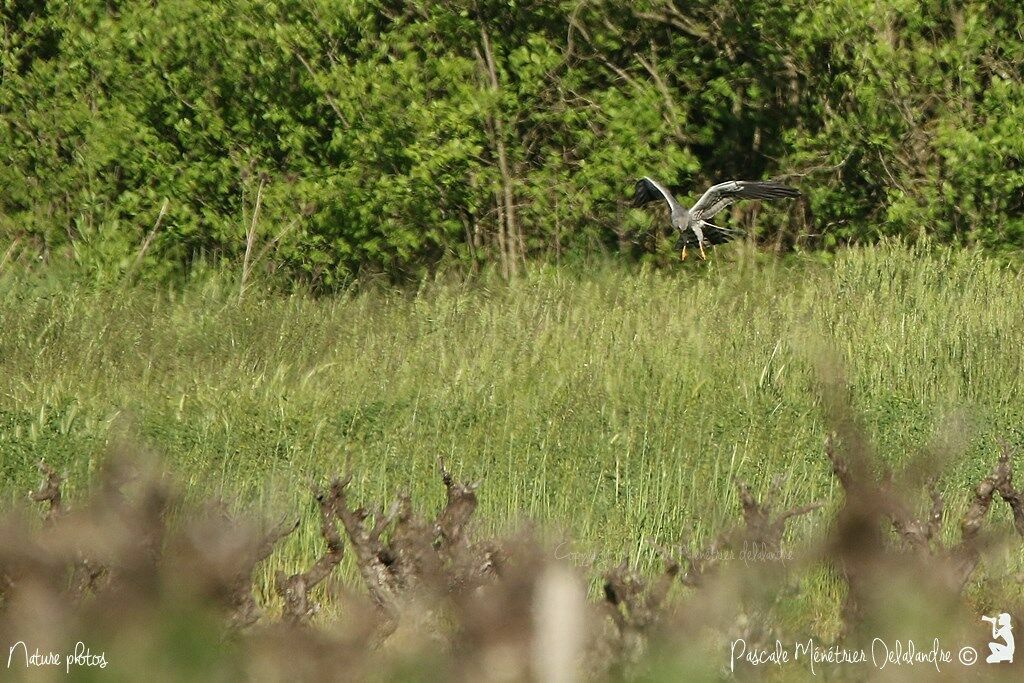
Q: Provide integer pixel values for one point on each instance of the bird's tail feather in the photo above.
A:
(716, 234)
(713, 234)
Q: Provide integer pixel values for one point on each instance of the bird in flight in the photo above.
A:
(692, 223)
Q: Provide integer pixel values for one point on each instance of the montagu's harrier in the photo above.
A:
(692, 223)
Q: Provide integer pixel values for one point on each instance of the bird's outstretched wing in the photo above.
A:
(722, 195)
(649, 190)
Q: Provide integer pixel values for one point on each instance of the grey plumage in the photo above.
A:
(692, 224)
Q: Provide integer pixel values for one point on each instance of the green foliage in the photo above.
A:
(388, 137)
(925, 108)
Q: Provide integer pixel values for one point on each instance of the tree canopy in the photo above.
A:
(352, 135)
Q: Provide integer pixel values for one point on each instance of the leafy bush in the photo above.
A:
(386, 137)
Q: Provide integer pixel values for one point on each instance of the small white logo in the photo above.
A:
(1002, 629)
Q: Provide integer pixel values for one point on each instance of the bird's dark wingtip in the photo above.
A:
(768, 190)
(645, 192)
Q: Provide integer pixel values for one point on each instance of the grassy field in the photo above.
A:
(617, 406)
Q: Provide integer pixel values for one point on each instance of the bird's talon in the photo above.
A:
(682, 254)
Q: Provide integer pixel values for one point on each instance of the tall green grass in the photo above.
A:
(617, 405)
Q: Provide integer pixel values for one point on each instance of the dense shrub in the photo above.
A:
(388, 136)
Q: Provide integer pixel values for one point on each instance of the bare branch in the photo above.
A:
(295, 588)
(149, 237)
(49, 491)
(459, 507)
(366, 546)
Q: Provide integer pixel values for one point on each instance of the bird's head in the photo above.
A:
(681, 221)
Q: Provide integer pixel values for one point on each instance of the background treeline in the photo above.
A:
(324, 138)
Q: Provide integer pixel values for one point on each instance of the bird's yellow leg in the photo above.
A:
(682, 254)
(703, 255)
